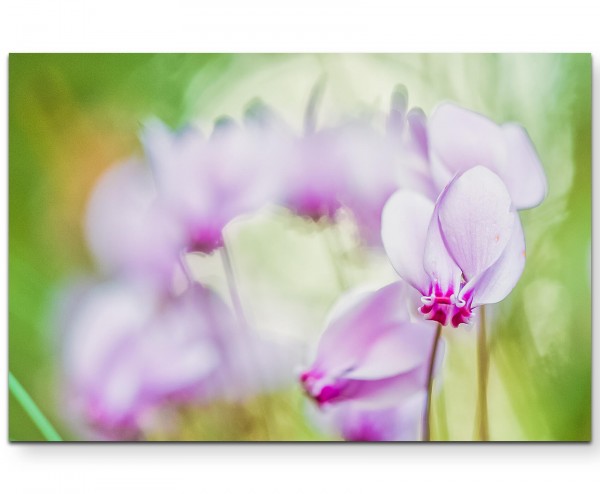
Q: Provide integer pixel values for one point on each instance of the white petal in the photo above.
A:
(523, 174)
(404, 224)
(476, 220)
(499, 279)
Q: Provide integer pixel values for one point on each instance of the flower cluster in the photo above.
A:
(439, 195)
(457, 239)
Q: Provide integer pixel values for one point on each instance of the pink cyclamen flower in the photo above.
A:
(125, 229)
(203, 184)
(460, 139)
(128, 350)
(370, 352)
(310, 165)
(464, 251)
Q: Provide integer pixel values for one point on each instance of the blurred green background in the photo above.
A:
(73, 115)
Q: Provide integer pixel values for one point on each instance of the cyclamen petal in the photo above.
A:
(404, 225)
(417, 125)
(524, 175)
(371, 354)
(500, 278)
(461, 139)
(355, 322)
(476, 220)
(444, 274)
(122, 206)
(398, 108)
(393, 352)
(128, 350)
(355, 423)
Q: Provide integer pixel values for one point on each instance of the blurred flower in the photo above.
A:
(321, 170)
(129, 350)
(460, 139)
(466, 250)
(316, 175)
(369, 177)
(370, 353)
(205, 183)
(377, 164)
(408, 135)
(126, 231)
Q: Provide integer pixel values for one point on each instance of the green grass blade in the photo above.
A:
(40, 420)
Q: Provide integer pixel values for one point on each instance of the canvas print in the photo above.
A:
(299, 247)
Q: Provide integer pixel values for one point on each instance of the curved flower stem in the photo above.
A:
(265, 406)
(442, 419)
(33, 411)
(483, 366)
(233, 291)
(427, 414)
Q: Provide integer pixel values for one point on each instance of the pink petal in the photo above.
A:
(461, 139)
(122, 207)
(476, 220)
(404, 224)
(387, 392)
(356, 323)
(398, 108)
(400, 423)
(417, 126)
(438, 263)
(524, 175)
(500, 278)
(398, 350)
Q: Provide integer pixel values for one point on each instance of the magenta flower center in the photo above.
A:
(318, 387)
(446, 307)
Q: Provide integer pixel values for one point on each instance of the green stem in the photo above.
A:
(241, 317)
(427, 414)
(442, 418)
(32, 410)
(233, 291)
(483, 366)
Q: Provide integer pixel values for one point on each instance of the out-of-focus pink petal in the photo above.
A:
(125, 230)
(476, 220)
(524, 175)
(400, 423)
(462, 139)
(496, 282)
(398, 108)
(382, 393)
(128, 350)
(371, 353)
(399, 350)
(356, 323)
(404, 223)
(417, 126)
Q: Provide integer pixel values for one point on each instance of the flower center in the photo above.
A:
(446, 307)
(318, 388)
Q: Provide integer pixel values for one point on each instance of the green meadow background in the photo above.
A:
(73, 115)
